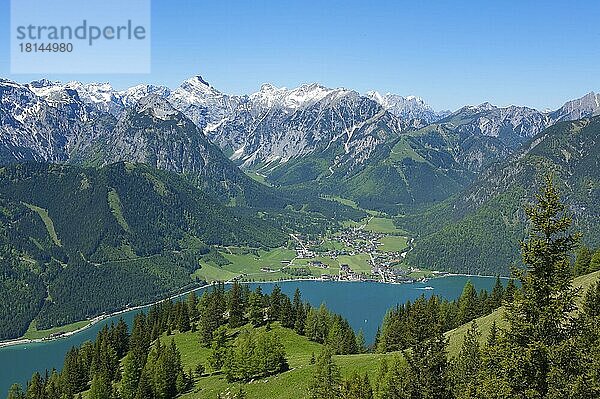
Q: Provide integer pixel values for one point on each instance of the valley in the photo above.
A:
(369, 250)
(376, 205)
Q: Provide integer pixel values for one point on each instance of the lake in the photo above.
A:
(363, 303)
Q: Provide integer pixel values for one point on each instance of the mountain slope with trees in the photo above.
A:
(126, 229)
(478, 230)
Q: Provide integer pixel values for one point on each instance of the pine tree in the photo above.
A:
(139, 341)
(183, 322)
(591, 302)
(468, 364)
(274, 311)
(542, 312)
(101, 388)
(582, 262)
(15, 392)
(361, 345)
(429, 368)
(510, 291)
(235, 306)
(256, 306)
(299, 312)
(120, 338)
(72, 375)
(145, 389)
(218, 351)
(130, 378)
(467, 304)
(326, 381)
(396, 381)
(212, 309)
(497, 295)
(540, 316)
(595, 262)
(192, 305)
(286, 315)
(35, 387)
(357, 387)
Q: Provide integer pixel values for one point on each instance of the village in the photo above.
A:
(384, 265)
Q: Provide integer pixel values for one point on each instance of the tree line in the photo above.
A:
(405, 325)
(587, 261)
(144, 367)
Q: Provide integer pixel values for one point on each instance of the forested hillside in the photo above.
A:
(128, 229)
(478, 230)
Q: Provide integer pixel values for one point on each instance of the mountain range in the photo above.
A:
(333, 141)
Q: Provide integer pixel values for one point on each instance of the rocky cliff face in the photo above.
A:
(277, 125)
(411, 108)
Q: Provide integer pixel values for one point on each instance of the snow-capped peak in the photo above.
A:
(133, 94)
(270, 96)
(156, 106)
(408, 108)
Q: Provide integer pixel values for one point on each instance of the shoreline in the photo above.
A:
(98, 319)
(93, 321)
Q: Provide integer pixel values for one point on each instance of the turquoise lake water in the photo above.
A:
(363, 303)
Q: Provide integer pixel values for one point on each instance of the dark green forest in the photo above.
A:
(128, 229)
(478, 230)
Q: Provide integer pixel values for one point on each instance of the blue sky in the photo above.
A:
(535, 53)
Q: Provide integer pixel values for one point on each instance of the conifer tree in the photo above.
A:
(468, 364)
(595, 262)
(35, 387)
(540, 317)
(15, 392)
(145, 390)
(192, 305)
(130, 378)
(326, 381)
(361, 345)
(101, 388)
(429, 368)
(542, 312)
(497, 295)
(218, 351)
(467, 304)
(286, 315)
(256, 306)
(357, 387)
(235, 306)
(582, 262)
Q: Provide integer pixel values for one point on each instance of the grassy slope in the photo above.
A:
(382, 225)
(47, 221)
(394, 243)
(289, 385)
(358, 263)
(455, 337)
(34, 333)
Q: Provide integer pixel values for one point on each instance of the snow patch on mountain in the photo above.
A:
(411, 108)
